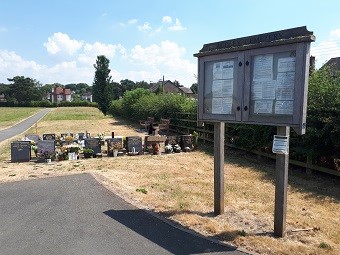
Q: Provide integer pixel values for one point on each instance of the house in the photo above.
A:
(60, 94)
(334, 64)
(171, 87)
(2, 98)
(87, 96)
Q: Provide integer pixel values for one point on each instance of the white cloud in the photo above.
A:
(132, 21)
(3, 29)
(166, 19)
(335, 34)
(166, 59)
(327, 49)
(177, 27)
(148, 63)
(61, 43)
(146, 26)
(12, 65)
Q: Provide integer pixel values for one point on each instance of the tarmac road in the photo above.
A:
(76, 215)
(22, 126)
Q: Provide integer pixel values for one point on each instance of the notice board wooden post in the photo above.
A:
(281, 183)
(219, 128)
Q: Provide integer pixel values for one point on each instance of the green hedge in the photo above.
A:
(140, 103)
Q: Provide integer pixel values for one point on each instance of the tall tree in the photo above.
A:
(102, 93)
(127, 85)
(194, 88)
(24, 90)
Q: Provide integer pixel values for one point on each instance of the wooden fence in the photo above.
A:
(186, 123)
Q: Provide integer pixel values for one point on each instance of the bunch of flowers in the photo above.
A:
(74, 147)
(101, 136)
(47, 154)
(168, 148)
(117, 145)
(34, 147)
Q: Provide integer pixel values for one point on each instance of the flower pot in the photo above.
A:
(72, 156)
(87, 154)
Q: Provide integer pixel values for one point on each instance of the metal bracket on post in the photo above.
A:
(281, 183)
(219, 128)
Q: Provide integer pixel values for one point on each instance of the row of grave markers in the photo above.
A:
(21, 150)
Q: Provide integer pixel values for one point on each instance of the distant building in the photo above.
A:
(87, 96)
(171, 87)
(334, 64)
(2, 98)
(60, 94)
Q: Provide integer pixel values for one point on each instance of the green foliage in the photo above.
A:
(141, 103)
(194, 88)
(101, 89)
(321, 142)
(22, 90)
(142, 190)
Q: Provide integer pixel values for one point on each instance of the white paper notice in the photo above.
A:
(285, 86)
(263, 67)
(216, 106)
(221, 105)
(223, 70)
(223, 88)
(263, 106)
(284, 107)
(286, 64)
(263, 89)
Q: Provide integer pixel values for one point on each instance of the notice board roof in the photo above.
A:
(287, 36)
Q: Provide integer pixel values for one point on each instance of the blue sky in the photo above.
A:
(57, 41)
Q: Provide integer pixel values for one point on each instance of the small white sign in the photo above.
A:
(280, 144)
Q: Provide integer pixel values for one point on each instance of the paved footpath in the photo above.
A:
(76, 215)
(22, 126)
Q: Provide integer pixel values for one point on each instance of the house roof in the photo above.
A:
(87, 94)
(154, 87)
(333, 63)
(186, 90)
(60, 90)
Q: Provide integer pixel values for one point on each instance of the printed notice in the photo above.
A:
(263, 89)
(263, 67)
(222, 88)
(221, 105)
(216, 106)
(284, 107)
(223, 70)
(285, 86)
(286, 65)
(263, 106)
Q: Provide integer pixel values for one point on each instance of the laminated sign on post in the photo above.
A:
(281, 144)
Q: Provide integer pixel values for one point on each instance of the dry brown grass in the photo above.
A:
(180, 187)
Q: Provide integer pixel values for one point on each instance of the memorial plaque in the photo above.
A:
(186, 141)
(48, 136)
(46, 146)
(134, 142)
(20, 151)
(33, 137)
(172, 140)
(114, 144)
(94, 144)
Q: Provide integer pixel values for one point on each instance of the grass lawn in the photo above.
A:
(180, 187)
(12, 115)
